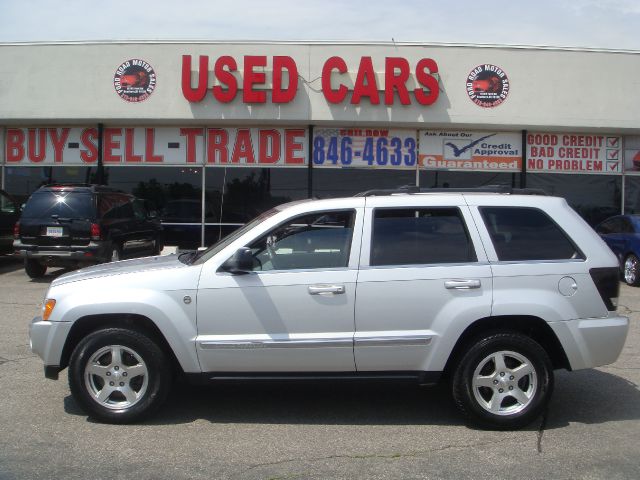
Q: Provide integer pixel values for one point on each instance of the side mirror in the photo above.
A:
(240, 263)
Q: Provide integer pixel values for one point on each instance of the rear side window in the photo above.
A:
(520, 233)
(418, 236)
(115, 207)
(63, 204)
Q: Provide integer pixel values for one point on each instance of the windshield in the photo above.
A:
(205, 255)
(63, 204)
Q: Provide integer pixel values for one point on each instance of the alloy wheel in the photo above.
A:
(116, 377)
(504, 383)
(631, 270)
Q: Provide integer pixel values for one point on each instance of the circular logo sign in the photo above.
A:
(134, 80)
(487, 86)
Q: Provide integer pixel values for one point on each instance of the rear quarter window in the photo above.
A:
(523, 233)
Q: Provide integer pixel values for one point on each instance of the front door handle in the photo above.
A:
(326, 289)
(462, 284)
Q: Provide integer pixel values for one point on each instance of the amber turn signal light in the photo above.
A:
(47, 308)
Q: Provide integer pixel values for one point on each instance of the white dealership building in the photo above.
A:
(213, 133)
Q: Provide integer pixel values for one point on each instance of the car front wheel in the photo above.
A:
(118, 375)
(504, 381)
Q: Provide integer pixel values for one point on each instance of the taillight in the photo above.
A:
(96, 234)
(608, 284)
(16, 230)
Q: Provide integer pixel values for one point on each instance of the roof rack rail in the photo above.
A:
(69, 184)
(412, 189)
(94, 186)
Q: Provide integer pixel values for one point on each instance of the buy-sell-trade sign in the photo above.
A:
(473, 151)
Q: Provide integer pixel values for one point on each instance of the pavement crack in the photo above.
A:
(17, 303)
(389, 456)
(11, 360)
(611, 367)
(626, 310)
(543, 425)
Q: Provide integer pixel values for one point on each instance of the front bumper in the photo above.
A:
(592, 342)
(47, 340)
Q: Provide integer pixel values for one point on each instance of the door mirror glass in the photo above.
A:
(240, 263)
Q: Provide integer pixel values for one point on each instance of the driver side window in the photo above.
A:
(317, 240)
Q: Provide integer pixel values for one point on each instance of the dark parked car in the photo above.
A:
(9, 213)
(622, 234)
(73, 225)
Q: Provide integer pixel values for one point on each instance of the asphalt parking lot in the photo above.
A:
(291, 431)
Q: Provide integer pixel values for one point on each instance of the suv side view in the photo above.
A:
(491, 292)
(79, 225)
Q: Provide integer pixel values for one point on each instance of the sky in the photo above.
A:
(611, 24)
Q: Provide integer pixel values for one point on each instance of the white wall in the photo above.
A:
(72, 84)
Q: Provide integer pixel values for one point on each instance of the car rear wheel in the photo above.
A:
(119, 375)
(504, 381)
(34, 269)
(631, 270)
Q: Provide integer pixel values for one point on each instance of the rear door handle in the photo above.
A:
(326, 289)
(462, 284)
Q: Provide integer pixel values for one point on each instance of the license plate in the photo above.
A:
(54, 231)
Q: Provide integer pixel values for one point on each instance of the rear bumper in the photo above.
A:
(94, 252)
(592, 342)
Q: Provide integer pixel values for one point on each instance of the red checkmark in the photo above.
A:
(613, 166)
(612, 154)
(612, 141)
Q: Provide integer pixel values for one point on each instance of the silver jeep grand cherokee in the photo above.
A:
(491, 291)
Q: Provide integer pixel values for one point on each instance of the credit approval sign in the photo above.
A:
(574, 153)
(473, 151)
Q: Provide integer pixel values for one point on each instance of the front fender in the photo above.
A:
(166, 309)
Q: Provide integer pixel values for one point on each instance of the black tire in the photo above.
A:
(34, 268)
(509, 401)
(109, 393)
(631, 270)
(158, 246)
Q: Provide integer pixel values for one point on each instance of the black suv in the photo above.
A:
(73, 225)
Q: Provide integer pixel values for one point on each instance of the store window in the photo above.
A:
(236, 195)
(21, 182)
(632, 194)
(594, 197)
(449, 179)
(336, 182)
(173, 193)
